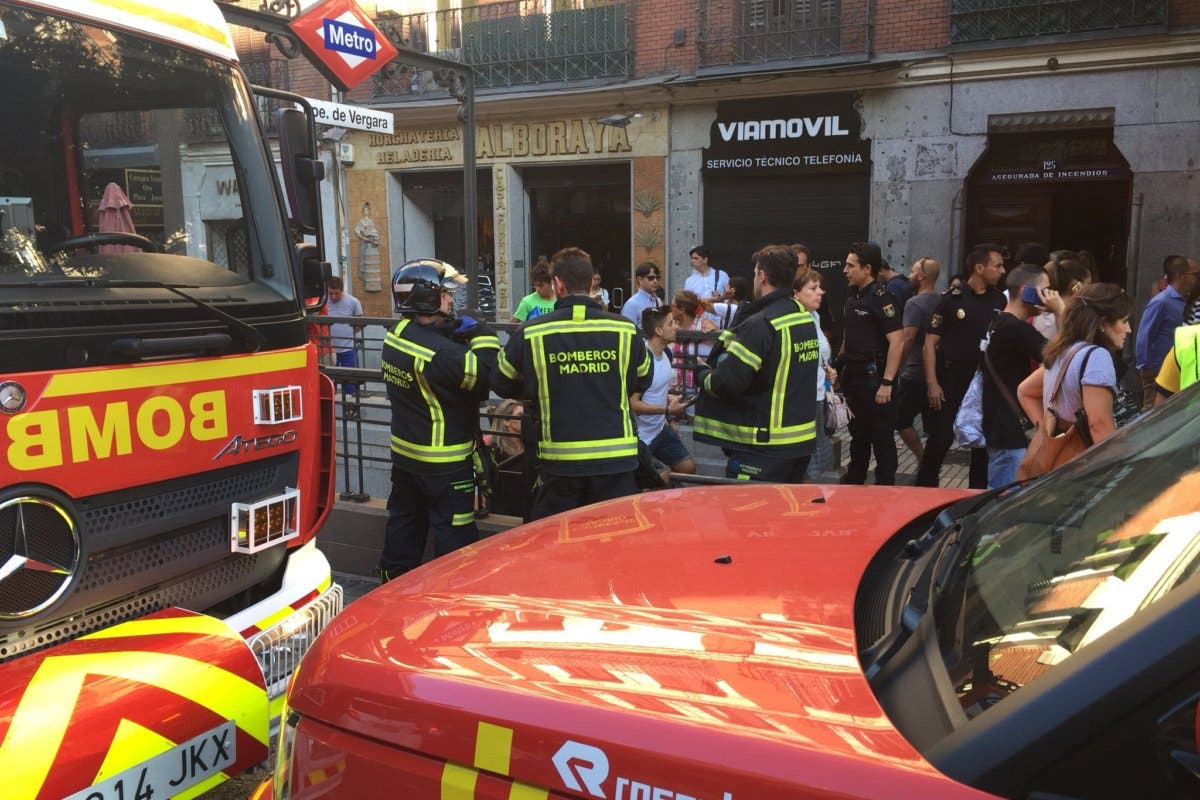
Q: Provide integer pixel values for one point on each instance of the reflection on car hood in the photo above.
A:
(692, 625)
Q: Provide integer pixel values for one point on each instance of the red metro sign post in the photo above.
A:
(345, 45)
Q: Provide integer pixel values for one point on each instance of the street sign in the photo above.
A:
(357, 117)
(344, 41)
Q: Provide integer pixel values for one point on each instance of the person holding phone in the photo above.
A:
(1013, 347)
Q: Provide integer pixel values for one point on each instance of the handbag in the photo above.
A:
(837, 411)
(968, 422)
(1053, 444)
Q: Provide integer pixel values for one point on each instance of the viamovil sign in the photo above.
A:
(347, 46)
(795, 134)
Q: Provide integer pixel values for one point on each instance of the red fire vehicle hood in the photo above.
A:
(671, 639)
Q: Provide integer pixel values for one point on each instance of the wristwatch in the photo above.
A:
(887, 382)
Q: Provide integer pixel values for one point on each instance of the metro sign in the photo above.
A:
(345, 43)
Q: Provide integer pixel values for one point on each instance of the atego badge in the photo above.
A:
(347, 46)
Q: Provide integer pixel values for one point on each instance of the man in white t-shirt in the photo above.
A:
(654, 406)
(709, 283)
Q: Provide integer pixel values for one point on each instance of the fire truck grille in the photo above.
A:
(203, 588)
(222, 490)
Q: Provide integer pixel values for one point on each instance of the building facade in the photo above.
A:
(638, 129)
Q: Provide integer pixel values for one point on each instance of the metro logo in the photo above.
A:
(37, 441)
(345, 45)
(350, 39)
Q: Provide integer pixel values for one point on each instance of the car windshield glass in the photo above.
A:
(1053, 568)
(110, 136)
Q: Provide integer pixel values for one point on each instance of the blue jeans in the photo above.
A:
(1002, 466)
(348, 358)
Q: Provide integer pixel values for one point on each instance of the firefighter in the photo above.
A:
(575, 368)
(758, 401)
(436, 369)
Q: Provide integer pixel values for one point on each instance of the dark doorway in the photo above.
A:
(586, 207)
(824, 212)
(1069, 190)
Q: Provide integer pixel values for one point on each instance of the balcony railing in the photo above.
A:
(274, 73)
(515, 43)
(987, 20)
(750, 32)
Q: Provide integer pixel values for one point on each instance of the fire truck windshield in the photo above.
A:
(133, 162)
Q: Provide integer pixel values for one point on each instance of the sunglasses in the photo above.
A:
(650, 277)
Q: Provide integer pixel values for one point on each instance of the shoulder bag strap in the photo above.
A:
(1063, 373)
(1022, 418)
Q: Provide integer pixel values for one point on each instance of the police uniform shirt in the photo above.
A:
(871, 314)
(961, 319)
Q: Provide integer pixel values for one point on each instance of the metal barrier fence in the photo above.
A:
(363, 414)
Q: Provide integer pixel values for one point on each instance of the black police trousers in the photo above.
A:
(558, 493)
(954, 380)
(873, 426)
(419, 504)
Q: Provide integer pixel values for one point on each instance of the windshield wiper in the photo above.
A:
(247, 333)
(953, 525)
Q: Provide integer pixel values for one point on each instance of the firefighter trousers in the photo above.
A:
(559, 493)
(419, 504)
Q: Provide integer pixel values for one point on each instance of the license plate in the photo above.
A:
(172, 772)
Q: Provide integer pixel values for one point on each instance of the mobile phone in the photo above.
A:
(1030, 295)
(688, 401)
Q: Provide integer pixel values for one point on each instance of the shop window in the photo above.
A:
(229, 245)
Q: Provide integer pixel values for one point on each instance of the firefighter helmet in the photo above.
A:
(417, 285)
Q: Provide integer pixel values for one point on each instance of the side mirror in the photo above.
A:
(314, 276)
(302, 169)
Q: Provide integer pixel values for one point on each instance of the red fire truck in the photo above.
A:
(167, 437)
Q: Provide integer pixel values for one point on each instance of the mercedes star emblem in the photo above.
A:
(42, 540)
(12, 397)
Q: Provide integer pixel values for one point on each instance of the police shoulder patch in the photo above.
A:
(935, 321)
(889, 310)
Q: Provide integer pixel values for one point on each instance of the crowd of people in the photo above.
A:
(595, 397)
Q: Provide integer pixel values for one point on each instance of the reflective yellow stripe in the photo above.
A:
(485, 342)
(470, 370)
(48, 705)
(586, 326)
(154, 627)
(493, 745)
(419, 353)
(581, 451)
(787, 320)
(109, 379)
(746, 434)
(726, 336)
(458, 520)
(278, 704)
(578, 313)
(1186, 337)
(524, 791)
(542, 377)
(437, 419)
(458, 782)
(646, 365)
(506, 369)
(779, 390)
(439, 454)
(175, 20)
(743, 354)
(624, 353)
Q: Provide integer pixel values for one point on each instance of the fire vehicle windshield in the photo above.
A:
(127, 164)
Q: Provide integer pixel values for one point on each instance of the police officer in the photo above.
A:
(757, 401)
(952, 354)
(872, 345)
(575, 368)
(436, 369)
